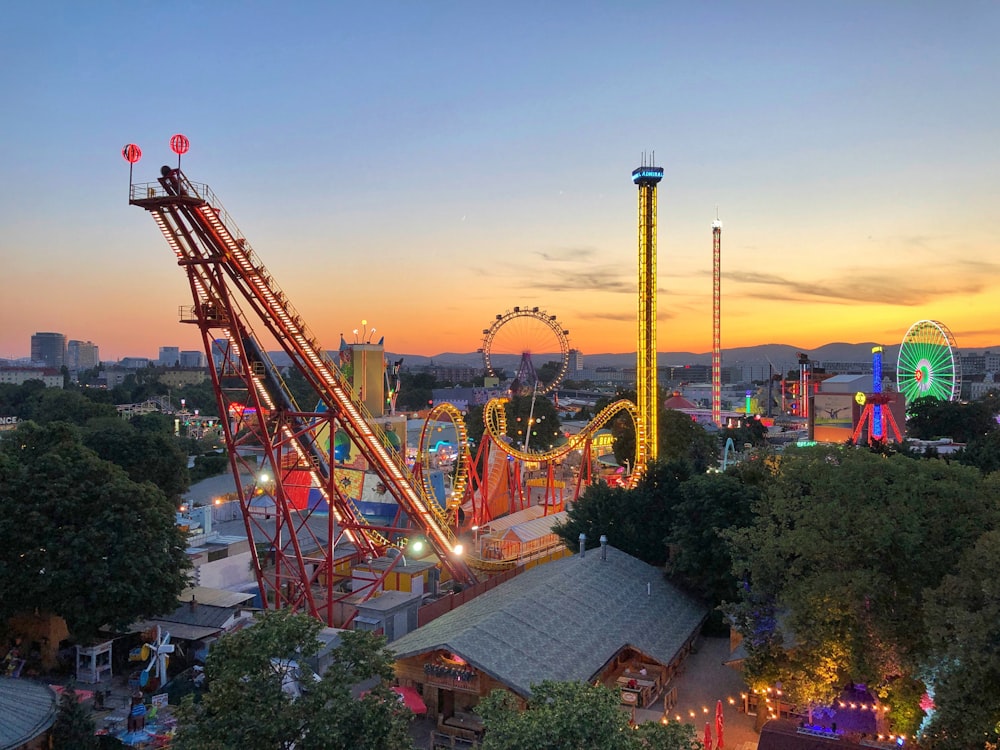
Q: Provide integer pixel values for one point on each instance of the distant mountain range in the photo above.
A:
(781, 356)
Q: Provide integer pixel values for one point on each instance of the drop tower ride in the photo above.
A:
(646, 178)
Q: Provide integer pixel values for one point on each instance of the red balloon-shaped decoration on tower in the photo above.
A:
(179, 144)
(132, 153)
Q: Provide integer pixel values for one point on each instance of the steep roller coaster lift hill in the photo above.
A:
(296, 566)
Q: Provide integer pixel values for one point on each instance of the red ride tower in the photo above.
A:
(717, 321)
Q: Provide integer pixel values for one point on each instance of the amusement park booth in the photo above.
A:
(520, 535)
(837, 409)
(591, 616)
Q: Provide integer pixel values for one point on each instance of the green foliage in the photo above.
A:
(929, 418)
(679, 437)
(80, 539)
(74, 725)
(635, 521)
(545, 425)
(416, 390)
(683, 439)
(841, 545)
(33, 401)
(305, 396)
(146, 454)
(963, 619)
(574, 716)
(200, 396)
(247, 707)
(559, 716)
(983, 452)
(753, 432)
(548, 371)
(209, 465)
(707, 505)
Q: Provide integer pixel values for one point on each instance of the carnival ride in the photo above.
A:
(304, 550)
(876, 412)
(927, 365)
(518, 334)
(297, 555)
(156, 653)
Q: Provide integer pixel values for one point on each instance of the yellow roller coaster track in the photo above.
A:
(461, 474)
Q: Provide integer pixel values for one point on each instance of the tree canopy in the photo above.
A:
(636, 521)
(963, 620)
(81, 540)
(261, 695)
(835, 564)
(573, 716)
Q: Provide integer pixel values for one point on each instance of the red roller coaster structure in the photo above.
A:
(302, 554)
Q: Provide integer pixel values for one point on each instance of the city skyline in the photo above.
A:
(425, 168)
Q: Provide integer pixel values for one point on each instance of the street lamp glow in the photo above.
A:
(459, 549)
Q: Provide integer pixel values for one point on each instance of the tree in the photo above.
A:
(635, 521)
(74, 725)
(983, 452)
(416, 390)
(681, 438)
(146, 454)
(81, 540)
(929, 418)
(261, 695)
(963, 619)
(843, 545)
(700, 559)
(573, 716)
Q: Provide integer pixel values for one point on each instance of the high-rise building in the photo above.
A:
(170, 356)
(49, 348)
(82, 355)
(193, 358)
(575, 360)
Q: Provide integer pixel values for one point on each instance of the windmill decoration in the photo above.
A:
(156, 654)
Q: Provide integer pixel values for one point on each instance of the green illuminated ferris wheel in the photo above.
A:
(928, 364)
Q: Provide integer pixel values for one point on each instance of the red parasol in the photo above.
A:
(412, 699)
(708, 736)
(718, 725)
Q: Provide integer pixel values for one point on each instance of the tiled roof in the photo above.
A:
(564, 621)
(27, 709)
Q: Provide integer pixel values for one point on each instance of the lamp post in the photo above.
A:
(475, 537)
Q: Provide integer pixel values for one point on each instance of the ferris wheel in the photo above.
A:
(927, 364)
(526, 338)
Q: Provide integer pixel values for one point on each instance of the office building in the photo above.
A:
(170, 356)
(49, 348)
(193, 358)
(82, 355)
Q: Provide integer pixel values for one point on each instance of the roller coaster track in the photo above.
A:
(461, 475)
(495, 416)
(223, 268)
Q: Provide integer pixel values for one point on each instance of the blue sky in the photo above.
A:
(426, 166)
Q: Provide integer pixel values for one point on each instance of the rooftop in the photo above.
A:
(564, 621)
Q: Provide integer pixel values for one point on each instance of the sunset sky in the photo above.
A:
(426, 166)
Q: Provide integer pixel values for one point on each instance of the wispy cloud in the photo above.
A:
(880, 287)
(567, 254)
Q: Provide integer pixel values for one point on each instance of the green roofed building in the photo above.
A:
(27, 711)
(603, 616)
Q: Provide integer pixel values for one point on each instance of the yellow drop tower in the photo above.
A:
(646, 178)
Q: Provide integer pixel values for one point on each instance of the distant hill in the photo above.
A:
(781, 356)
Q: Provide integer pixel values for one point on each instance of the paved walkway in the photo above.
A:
(705, 681)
